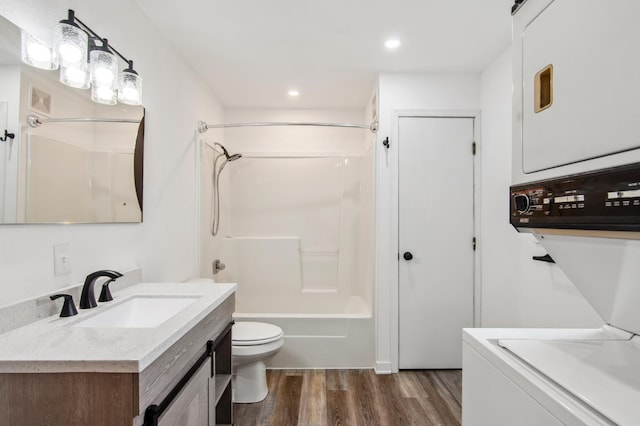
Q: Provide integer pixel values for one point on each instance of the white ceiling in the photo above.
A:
(251, 52)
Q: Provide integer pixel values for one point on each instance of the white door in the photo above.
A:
(435, 239)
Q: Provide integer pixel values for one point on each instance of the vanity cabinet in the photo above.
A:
(205, 398)
(190, 382)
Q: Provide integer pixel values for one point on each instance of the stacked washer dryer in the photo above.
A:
(576, 175)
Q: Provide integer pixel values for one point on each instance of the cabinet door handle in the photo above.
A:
(543, 89)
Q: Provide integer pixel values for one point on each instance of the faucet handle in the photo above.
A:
(105, 293)
(218, 266)
(68, 308)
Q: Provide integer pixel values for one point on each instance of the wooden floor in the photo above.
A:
(356, 397)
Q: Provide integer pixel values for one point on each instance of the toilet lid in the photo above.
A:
(254, 333)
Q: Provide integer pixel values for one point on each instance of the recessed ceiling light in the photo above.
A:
(392, 43)
(293, 93)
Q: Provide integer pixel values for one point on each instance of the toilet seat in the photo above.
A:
(255, 333)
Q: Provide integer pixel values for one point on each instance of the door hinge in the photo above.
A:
(473, 148)
(474, 243)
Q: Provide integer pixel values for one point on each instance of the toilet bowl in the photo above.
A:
(253, 343)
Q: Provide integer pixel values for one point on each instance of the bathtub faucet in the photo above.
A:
(218, 266)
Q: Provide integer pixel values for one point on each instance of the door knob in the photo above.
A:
(407, 255)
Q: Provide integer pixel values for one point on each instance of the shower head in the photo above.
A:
(226, 153)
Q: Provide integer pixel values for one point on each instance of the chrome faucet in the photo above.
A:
(88, 299)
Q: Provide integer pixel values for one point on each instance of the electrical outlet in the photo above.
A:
(61, 261)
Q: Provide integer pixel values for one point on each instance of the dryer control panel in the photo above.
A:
(607, 199)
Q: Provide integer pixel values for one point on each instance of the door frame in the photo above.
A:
(392, 254)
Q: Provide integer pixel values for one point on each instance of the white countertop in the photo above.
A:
(53, 345)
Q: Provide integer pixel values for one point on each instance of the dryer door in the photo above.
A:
(580, 82)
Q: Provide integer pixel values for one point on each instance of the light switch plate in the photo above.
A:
(61, 261)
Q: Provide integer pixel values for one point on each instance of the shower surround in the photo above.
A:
(296, 234)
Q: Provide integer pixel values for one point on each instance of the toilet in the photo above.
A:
(253, 343)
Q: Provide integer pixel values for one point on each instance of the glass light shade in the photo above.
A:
(75, 76)
(103, 95)
(104, 68)
(70, 44)
(36, 53)
(129, 88)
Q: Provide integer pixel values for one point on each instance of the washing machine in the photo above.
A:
(590, 224)
(576, 188)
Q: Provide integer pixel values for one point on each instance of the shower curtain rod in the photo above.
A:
(203, 127)
(35, 121)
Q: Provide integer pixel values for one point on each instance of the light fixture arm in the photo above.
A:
(74, 20)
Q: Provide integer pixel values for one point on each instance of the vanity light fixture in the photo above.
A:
(129, 86)
(70, 42)
(75, 76)
(36, 53)
(103, 66)
(294, 93)
(85, 60)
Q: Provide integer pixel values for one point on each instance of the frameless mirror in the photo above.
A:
(71, 160)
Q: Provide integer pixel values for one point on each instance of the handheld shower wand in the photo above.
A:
(217, 170)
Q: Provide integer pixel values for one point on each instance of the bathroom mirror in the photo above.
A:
(78, 161)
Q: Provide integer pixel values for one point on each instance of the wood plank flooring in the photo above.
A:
(356, 398)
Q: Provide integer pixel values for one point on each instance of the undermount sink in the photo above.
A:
(139, 312)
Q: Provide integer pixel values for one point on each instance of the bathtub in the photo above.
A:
(316, 338)
(296, 235)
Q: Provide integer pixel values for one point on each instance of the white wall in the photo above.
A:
(425, 92)
(166, 244)
(516, 291)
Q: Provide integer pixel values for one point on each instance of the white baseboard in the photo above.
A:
(383, 368)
